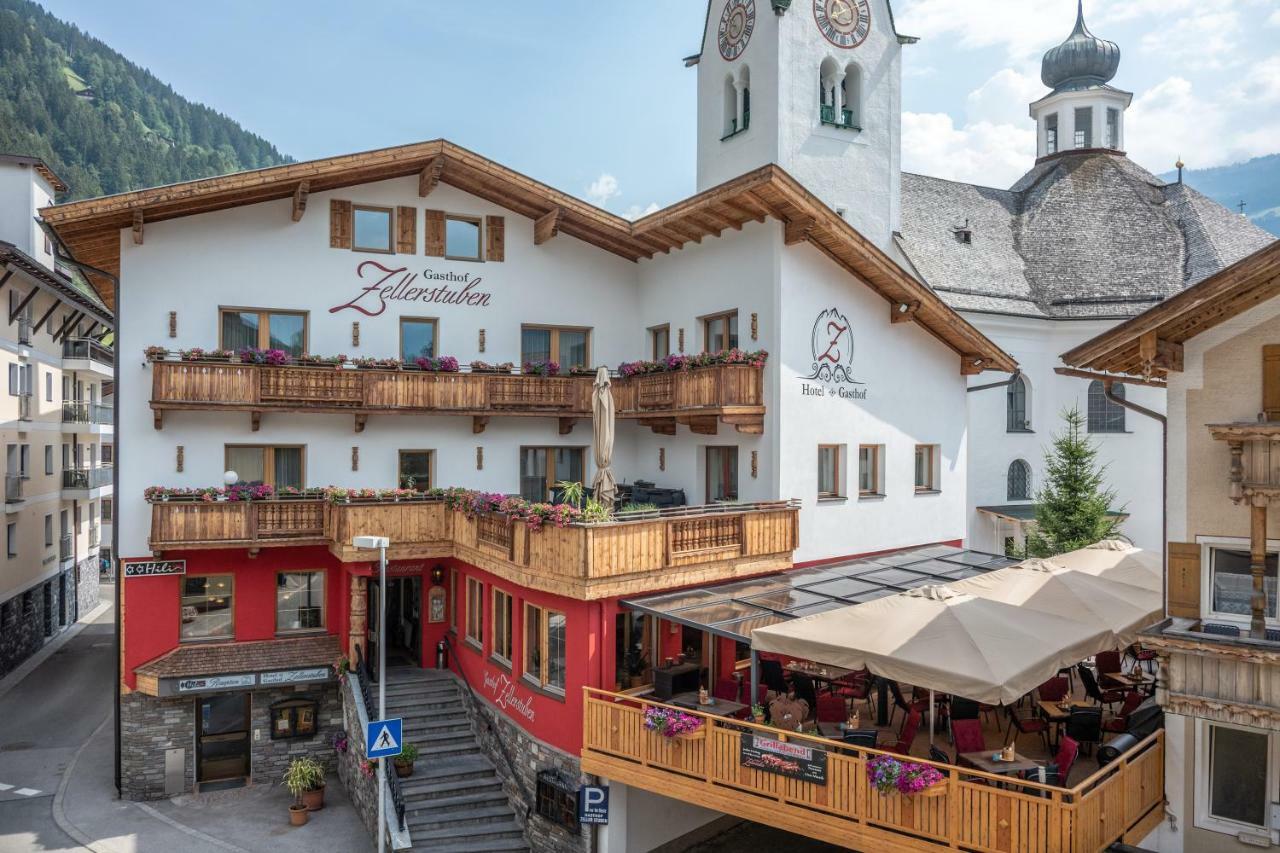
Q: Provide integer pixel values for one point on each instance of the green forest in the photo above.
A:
(101, 122)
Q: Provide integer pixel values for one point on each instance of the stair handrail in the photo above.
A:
(456, 663)
(366, 694)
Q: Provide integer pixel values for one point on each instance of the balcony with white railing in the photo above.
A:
(86, 483)
(85, 416)
(86, 354)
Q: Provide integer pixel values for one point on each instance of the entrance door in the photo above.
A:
(222, 737)
(404, 621)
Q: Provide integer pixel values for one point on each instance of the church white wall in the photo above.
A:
(1133, 458)
(256, 257)
(914, 395)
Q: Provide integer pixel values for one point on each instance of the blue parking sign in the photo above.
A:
(383, 738)
(593, 804)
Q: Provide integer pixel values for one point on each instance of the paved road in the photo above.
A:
(43, 721)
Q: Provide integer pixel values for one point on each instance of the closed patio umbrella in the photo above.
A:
(934, 636)
(602, 424)
(1113, 605)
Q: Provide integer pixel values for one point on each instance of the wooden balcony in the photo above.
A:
(974, 811)
(702, 398)
(585, 561)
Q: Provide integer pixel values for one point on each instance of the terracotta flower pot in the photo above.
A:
(313, 800)
(404, 769)
(297, 815)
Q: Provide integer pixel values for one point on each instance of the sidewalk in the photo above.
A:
(244, 820)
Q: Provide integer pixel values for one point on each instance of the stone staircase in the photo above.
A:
(454, 801)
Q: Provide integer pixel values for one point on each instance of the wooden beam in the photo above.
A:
(547, 225)
(137, 227)
(8, 274)
(903, 312)
(797, 230)
(1108, 377)
(13, 315)
(361, 417)
(157, 418)
(478, 423)
(300, 200)
(72, 319)
(566, 425)
(684, 231)
(1155, 353)
(38, 326)
(729, 215)
(429, 177)
(971, 365)
(255, 420)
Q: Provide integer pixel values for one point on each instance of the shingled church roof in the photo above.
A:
(1088, 234)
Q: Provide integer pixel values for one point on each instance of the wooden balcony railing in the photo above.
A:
(588, 561)
(976, 811)
(701, 398)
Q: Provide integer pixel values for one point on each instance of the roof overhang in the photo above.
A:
(91, 230)
(16, 262)
(1150, 344)
(41, 168)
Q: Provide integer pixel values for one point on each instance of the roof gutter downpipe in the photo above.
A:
(1107, 384)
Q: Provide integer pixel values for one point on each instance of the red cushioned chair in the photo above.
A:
(968, 736)
(831, 709)
(1054, 689)
(1120, 722)
(909, 729)
(1026, 725)
(729, 689)
(1058, 771)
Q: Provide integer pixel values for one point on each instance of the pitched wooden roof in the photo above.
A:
(91, 228)
(1150, 344)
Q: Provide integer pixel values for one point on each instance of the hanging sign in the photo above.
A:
(785, 758)
(154, 568)
(593, 804)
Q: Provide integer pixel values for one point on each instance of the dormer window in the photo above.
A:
(964, 234)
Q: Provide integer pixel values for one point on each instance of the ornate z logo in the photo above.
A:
(832, 345)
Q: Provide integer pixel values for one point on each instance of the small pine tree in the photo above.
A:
(1073, 506)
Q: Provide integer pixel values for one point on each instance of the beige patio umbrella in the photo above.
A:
(602, 423)
(936, 637)
(1113, 605)
(1116, 561)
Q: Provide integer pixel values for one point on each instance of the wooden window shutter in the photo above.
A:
(339, 224)
(407, 230)
(433, 239)
(1184, 579)
(494, 238)
(1271, 382)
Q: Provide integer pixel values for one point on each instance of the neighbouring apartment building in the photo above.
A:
(54, 424)
(1216, 347)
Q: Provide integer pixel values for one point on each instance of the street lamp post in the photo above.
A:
(381, 543)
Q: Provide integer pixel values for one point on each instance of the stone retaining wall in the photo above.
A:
(21, 628)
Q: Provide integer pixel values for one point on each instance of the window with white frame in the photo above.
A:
(927, 458)
(871, 470)
(1236, 777)
(1231, 581)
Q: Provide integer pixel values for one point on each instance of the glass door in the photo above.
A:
(222, 743)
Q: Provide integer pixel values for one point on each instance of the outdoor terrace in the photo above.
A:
(585, 560)
(701, 398)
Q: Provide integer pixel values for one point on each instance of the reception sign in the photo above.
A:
(793, 760)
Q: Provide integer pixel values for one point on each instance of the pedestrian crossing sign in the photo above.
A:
(383, 738)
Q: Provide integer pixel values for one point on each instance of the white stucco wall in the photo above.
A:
(1133, 458)
(22, 192)
(639, 820)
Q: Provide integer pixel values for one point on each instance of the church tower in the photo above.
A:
(1083, 112)
(811, 85)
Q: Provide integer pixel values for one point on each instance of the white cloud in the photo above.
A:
(1171, 120)
(1204, 39)
(1261, 83)
(602, 189)
(1274, 20)
(1003, 98)
(635, 211)
(1023, 28)
(980, 152)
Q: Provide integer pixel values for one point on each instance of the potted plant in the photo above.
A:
(404, 761)
(637, 665)
(304, 777)
(757, 714)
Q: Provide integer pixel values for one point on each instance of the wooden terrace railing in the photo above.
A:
(702, 398)
(687, 544)
(976, 811)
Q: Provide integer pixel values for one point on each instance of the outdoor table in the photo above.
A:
(819, 673)
(1054, 714)
(983, 761)
(718, 707)
(1129, 682)
(835, 731)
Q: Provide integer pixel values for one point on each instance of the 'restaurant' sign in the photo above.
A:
(214, 682)
(793, 760)
(154, 568)
(295, 676)
(242, 680)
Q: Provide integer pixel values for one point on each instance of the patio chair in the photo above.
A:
(968, 737)
(803, 685)
(900, 702)
(1094, 692)
(909, 729)
(1027, 725)
(855, 686)
(1107, 662)
(1120, 722)
(936, 754)
(1054, 690)
(1058, 771)
(772, 677)
(1141, 656)
(865, 738)
(831, 709)
(729, 689)
(1084, 726)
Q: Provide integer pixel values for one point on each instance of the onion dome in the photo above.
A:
(1081, 61)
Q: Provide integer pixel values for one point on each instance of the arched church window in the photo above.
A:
(1019, 481)
(730, 107)
(852, 113)
(1104, 415)
(744, 83)
(1016, 406)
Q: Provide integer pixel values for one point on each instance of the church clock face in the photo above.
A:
(736, 24)
(845, 23)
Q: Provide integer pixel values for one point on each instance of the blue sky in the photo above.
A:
(592, 97)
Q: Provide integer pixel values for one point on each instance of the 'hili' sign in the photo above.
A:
(793, 760)
(154, 568)
(387, 284)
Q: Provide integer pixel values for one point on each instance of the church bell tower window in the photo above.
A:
(1084, 127)
(1113, 128)
(1051, 134)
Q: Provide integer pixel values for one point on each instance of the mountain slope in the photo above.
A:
(101, 122)
(1256, 182)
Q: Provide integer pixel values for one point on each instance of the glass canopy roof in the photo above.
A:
(736, 608)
